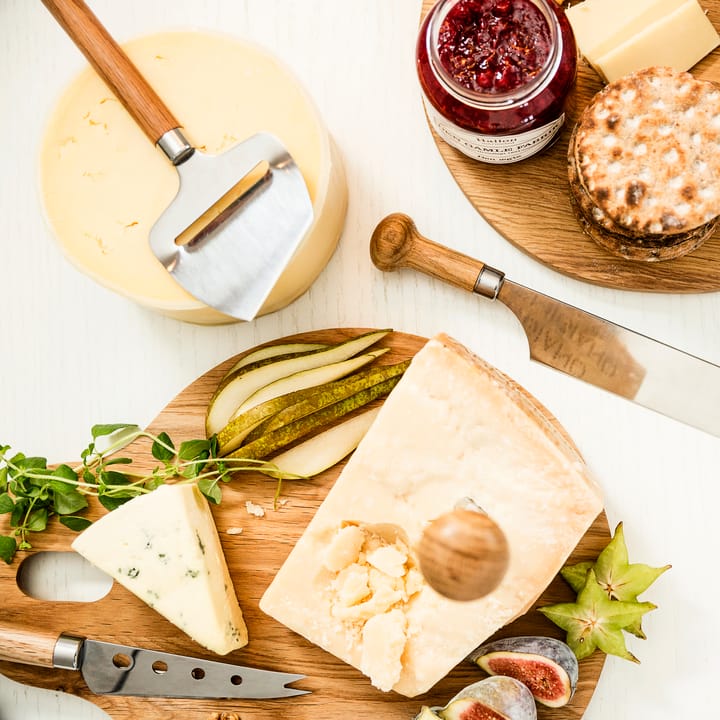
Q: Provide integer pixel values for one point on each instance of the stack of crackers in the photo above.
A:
(644, 165)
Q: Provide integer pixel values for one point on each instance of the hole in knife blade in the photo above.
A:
(197, 673)
(223, 208)
(122, 661)
(236, 680)
(160, 667)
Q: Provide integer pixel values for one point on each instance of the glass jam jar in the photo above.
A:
(496, 75)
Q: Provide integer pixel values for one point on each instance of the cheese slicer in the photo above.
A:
(237, 218)
(112, 669)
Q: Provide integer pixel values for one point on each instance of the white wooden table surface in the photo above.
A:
(73, 354)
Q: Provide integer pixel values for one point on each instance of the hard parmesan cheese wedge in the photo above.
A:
(453, 427)
(164, 548)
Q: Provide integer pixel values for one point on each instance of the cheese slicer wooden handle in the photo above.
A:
(396, 243)
(113, 66)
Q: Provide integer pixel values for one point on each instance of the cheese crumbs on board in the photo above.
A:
(453, 427)
(254, 509)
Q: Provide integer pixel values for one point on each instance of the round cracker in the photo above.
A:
(649, 248)
(648, 152)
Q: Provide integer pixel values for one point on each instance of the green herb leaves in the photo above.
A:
(31, 492)
(8, 547)
(607, 602)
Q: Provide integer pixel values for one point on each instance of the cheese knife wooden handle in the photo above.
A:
(396, 243)
(29, 647)
(113, 66)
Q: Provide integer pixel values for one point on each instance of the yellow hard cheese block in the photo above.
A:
(165, 549)
(104, 184)
(677, 40)
(601, 25)
(453, 427)
(618, 37)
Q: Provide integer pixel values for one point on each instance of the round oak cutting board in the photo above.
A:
(529, 204)
(253, 557)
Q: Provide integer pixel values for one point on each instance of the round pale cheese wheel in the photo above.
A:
(104, 184)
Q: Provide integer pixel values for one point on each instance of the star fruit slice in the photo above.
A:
(619, 579)
(595, 621)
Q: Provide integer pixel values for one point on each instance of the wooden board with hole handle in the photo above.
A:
(253, 556)
(528, 203)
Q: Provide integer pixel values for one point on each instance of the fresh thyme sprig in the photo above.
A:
(31, 492)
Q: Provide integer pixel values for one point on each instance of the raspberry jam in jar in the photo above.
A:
(496, 75)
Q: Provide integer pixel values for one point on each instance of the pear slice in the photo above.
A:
(325, 449)
(235, 432)
(273, 351)
(307, 379)
(277, 411)
(278, 439)
(327, 394)
(239, 386)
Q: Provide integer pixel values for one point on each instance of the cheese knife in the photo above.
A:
(566, 338)
(111, 669)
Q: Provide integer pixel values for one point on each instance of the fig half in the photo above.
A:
(494, 698)
(546, 666)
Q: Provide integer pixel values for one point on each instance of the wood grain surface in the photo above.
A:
(253, 556)
(529, 204)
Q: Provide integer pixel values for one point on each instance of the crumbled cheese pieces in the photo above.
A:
(165, 549)
(452, 428)
(374, 576)
(618, 38)
(383, 642)
(254, 509)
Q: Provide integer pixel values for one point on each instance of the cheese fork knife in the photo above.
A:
(566, 338)
(112, 669)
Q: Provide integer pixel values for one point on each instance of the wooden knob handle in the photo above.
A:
(396, 243)
(29, 647)
(463, 554)
(113, 66)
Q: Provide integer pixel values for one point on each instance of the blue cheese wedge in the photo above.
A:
(453, 427)
(164, 548)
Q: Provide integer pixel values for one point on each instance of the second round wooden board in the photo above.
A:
(254, 556)
(529, 204)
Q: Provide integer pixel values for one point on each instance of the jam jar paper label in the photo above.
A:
(497, 149)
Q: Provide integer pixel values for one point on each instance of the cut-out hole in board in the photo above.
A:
(63, 576)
